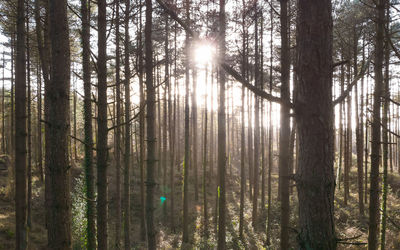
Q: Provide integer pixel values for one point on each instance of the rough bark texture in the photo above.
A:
(284, 153)
(359, 134)
(314, 113)
(117, 131)
(221, 132)
(87, 103)
(127, 155)
(20, 133)
(59, 228)
(376, 129)
(102, 132)
(186, 159)
(141, 131)
(256, 166)
(151, 139)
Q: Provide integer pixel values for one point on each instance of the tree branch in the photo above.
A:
(228, 69)
(354, 82)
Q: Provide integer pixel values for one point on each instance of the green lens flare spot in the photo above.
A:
(162, 198)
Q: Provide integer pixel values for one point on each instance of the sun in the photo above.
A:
(203, 53)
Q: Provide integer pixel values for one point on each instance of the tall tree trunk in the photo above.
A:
(20, 133)
(205, 176)
(143, 228)
(376, 128)
(39, 160)
(172, 139)
(59, 228)
(102, 150)
(284, 137)
(221, 132)
(349, 143)
(127, 156)
(366, 154)
(243, 135)
(151, 139)
(194, 131)
(117, 131)
(186, 161)
(359, 132)
(256, 123)
(29, 120)
(87, 107)
(250, 142)
(3, 109)
(270, 135)
(385, 133)
(314, 109)
(165, 119)
(342, 148)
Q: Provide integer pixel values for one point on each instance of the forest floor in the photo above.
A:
(349, 224)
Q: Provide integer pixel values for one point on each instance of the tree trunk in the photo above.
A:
(59, 228)
(102, 150)
(284, 137)
(127, 156)
(205, 177)
(314, 113)
(151, 139)
(270, 137)
(186, 161)
(359, 132)
(20, 133)
(143, 228)
(87, 104)
(221, 132)
(376, 129)
(257, 83)
(29, 120)
(117, 131)
(385, 133)
(194, 131)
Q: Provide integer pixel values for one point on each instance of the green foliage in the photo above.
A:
(79, 220)
(9, 233)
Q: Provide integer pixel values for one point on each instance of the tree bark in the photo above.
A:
(88, 145)
(186, 161)
(151, 139)
(314, 113)
(221, 132)
(284, 137)
(127, 156)
(20, 133)
(102, 148)
(59, 228)
(117, 131)
(376, 128)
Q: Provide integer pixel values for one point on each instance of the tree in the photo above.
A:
(257, 83)
(221, 131)
(88, 130)
(151, 139)
(284, 137)
(127, 157)
(102, 132)
(314, 114)
(59, 227)
(117, 131)
(20, 133)
(186, 159)
(376, 128)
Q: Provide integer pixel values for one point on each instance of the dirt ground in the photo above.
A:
(348, 222)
